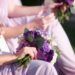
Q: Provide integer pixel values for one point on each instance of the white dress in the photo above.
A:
(66, 62)
(36, 67)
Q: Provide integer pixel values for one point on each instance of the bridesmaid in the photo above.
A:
(14, 25)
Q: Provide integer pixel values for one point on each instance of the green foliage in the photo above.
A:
(30, 38)
(62, 17)
(39, 41)
(24, 61)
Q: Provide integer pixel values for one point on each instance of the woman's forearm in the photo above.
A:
(20, 11)
(11, 32)
(5, 59)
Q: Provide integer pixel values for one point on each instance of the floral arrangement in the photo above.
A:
(36, 39)
(63, 12)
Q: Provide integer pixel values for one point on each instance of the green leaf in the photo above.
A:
(26, 30)
(30, 38)
(24, 61)
(39, 42)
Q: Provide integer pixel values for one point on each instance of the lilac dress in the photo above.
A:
(35, 67)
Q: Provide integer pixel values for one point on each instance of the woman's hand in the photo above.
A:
(51, 7)
(42, 22)
(27, 50)
(54, 5)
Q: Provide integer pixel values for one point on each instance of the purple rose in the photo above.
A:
(45, 47)
(50, 55)
(45, 56)
(36, 34)
(29, 36)
(69, 2)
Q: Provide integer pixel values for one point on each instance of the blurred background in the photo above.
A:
(32, 2)
(69, 26)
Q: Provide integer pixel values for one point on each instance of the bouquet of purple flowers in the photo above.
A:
(63, 12)
(36, 39)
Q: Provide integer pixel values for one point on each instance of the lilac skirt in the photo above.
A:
(36, 67)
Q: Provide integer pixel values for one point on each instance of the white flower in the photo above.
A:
(74, 3)
(3, 44)
(54, 58)
(73, 8)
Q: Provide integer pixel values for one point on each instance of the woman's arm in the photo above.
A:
(10, 32)
(4, 59)
(42, 23)
(21, 11)
(10, 58)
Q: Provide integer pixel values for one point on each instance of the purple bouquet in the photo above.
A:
(63, 12)
(36, 39)
(68, 2)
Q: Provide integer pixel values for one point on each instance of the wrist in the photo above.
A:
(16, 55)
(20, 54)
(45, 10)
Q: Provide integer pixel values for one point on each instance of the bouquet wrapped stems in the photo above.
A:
(24, 61)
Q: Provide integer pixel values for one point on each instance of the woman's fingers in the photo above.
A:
(31, 51)
(27, 50)
(35, 53)
(54, 5)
